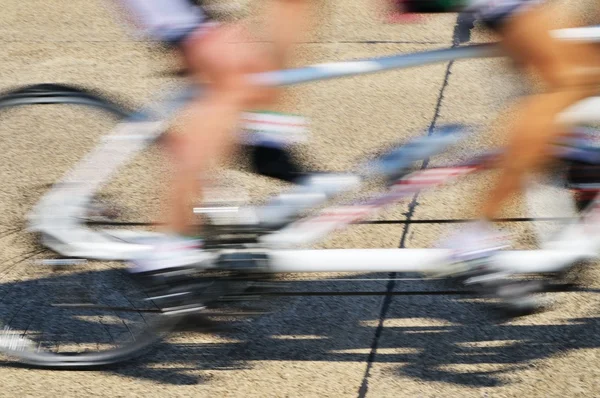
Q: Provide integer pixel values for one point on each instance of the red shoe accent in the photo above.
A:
(399, 17)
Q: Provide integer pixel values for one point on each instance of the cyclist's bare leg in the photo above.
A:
(225, 65)
(206, 134)
(191, 153)
(527, 38)
(528, 152)
(288, 19)
(221, 57)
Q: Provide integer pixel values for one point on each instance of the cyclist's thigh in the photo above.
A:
(223, 56)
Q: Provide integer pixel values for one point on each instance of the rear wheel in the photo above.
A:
(73, 315)
(69, 314)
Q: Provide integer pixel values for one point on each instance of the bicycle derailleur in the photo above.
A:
(232, 282)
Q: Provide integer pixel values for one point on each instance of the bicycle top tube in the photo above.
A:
(174, 100)
(333, 70)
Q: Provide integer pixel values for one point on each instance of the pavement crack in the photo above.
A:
(457, 38)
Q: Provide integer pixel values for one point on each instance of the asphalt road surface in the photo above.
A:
(379, 346)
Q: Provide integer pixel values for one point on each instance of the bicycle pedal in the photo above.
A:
(254, 262)
(486, 278)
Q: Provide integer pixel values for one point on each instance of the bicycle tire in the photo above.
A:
(44, 94)
(48, 93)
(88, 361)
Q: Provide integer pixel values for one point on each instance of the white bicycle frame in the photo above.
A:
(59, 214)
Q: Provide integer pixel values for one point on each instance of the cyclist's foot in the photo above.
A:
(471, 250)
(164, 272)
(169, 254)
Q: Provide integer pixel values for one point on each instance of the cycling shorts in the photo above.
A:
(167, 21)
(494, 13)
(171, 21)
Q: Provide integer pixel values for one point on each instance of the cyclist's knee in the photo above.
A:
(224, 65)
(174, 143)
(211, 54)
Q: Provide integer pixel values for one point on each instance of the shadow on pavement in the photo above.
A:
(302, 329)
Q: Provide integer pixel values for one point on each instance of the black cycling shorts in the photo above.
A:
(166, 21)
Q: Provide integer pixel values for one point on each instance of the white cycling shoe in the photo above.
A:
(170, 253)
(471, 249)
